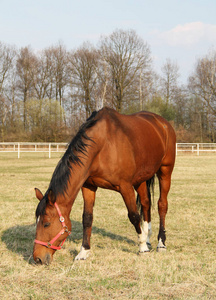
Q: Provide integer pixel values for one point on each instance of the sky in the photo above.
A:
(181, 30)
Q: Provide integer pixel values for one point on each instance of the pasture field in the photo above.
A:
(114, 271)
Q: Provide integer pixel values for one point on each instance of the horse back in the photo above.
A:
(132, 147)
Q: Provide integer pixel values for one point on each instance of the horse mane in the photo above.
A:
(78, 145)
(61, 175)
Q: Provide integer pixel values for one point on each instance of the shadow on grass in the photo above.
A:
(20, 239)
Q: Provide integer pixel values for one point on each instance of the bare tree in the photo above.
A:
(203, 81)
(103, 86)
(7, 55)
(83, 71)
(59, 60)
(126, 55)
(25, 65)
(202, 85)
(4, 109)
(7, 58)
(169, 80)
(41, 75)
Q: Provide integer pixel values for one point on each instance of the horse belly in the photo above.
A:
(102, 183)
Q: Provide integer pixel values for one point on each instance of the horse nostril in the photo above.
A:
(38, 261)
(47, 259)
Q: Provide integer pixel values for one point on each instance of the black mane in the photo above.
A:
(78, 145)
(60, 177)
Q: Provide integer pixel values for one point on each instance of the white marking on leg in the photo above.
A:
(83, 254)
(143, 237)
(160, 246)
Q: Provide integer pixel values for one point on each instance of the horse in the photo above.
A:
(111, 151)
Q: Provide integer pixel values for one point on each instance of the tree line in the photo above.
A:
(46, 95)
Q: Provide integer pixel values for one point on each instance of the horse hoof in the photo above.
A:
(161, 249)
(144, 252)
(149, 246)
(83, 255)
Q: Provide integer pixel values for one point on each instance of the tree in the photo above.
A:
(83, 71)
(202, 85)
(41, 75)
(158, 105)
(203, 81)
(50, 76)
(7, 57)
(59, 61)
(44, 119)
(169, 81)
(25, 65)
(126, 56)
(181, 104)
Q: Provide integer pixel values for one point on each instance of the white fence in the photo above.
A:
(195, 148)
(186, 148)
(33, 147)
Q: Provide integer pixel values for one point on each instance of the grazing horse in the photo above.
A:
(111, 151)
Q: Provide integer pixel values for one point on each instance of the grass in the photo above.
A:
(114, 271)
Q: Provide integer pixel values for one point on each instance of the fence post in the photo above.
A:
(176, 149)
(49, 150)
(18, 150)
(197, 149)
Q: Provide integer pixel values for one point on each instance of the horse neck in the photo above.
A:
(79, 174)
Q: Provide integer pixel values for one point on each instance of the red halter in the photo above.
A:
(64, 229)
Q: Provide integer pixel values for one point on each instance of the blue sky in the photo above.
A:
(182, 30)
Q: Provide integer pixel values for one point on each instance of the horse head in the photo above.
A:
(53, 227)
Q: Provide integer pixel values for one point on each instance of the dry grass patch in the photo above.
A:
(186, 271)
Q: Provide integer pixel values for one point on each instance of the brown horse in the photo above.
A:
(111, 151)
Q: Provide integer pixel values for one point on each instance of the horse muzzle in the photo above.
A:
(43, 260)
(42, 255)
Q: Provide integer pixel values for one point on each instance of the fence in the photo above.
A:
(33, 147)
(187, 148)
(195, 148)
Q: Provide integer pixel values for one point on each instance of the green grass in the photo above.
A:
(114, 271)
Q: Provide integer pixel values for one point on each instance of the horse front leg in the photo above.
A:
(87, 219)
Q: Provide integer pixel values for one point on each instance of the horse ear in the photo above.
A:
(51, 197)
(38, 194)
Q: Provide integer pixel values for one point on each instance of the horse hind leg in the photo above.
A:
(164, 176)
(144, 199)
(128, 194)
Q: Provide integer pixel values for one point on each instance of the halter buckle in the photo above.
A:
(66, 230)
(61, 219)
(48, 245)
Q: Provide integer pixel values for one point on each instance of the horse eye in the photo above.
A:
(46, 224)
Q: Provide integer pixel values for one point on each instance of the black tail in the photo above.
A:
(150, 187)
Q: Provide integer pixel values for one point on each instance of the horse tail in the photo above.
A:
(150, 188)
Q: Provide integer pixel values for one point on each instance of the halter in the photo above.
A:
(64, 229)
